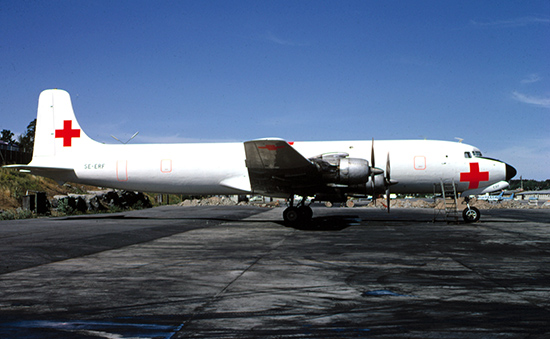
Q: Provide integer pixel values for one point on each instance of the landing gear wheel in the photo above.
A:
(291, 214)
(471, 214)
(305, 213)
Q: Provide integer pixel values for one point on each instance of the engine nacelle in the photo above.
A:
(352, 171)
(337, 168)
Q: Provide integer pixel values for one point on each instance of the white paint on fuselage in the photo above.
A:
(444, 160)
(201, 168)
(194, 168)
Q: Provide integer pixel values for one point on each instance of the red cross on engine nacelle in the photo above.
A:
(67, 133)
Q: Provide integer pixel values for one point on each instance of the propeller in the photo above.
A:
(387, 177)
(388, 182)
(373, 172)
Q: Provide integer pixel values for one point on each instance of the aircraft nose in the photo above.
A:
(510, 172)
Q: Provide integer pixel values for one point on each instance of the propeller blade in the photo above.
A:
(372, 172)
(388, 181)
(372, 154)
(373, 169)
(388, 198)
(388, 168)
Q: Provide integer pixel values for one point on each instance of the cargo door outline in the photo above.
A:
(122, 170)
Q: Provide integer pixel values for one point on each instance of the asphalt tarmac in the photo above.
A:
(238, 272)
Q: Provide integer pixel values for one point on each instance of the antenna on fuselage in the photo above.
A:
(122, 142)
(459, 140)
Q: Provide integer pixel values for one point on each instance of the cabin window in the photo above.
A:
(467, 155)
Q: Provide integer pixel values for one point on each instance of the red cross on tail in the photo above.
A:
(474, 176)
(67, 133)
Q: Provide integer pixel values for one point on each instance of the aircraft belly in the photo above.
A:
(143, 180)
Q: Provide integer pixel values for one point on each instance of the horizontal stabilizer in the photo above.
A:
(60, 175)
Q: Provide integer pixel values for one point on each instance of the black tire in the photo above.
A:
(306, 213)
(291, 215)
(471, 214)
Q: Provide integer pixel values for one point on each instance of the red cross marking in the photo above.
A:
(67, 133)
(474, 176)
(271, 147)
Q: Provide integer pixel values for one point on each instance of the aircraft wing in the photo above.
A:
(276, 168)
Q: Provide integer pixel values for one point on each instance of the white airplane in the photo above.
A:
(324, 170)
(496, 198)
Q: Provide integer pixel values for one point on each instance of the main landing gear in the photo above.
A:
(298, 213)
(470, 213)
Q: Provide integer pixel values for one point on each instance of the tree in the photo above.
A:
(529, 184)
(7, 136)
(26, 140)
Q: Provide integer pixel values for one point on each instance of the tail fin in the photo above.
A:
(58, 133)
(58, 137)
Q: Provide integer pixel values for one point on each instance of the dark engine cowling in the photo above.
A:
(341, 170)
(337, 168)
(352, 171)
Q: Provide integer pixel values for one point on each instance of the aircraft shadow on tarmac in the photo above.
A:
(336, 222)
(330, 222)
(324, 223)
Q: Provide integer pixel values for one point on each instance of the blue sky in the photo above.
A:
(204, 71)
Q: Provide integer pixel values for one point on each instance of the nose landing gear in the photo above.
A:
(470, 214)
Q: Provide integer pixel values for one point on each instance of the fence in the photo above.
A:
(10, 154)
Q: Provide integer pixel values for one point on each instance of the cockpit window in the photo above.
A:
(477, 154)
(467, 155)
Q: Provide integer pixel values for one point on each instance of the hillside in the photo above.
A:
(14, 185)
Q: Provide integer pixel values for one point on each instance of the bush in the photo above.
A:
(18, 213)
